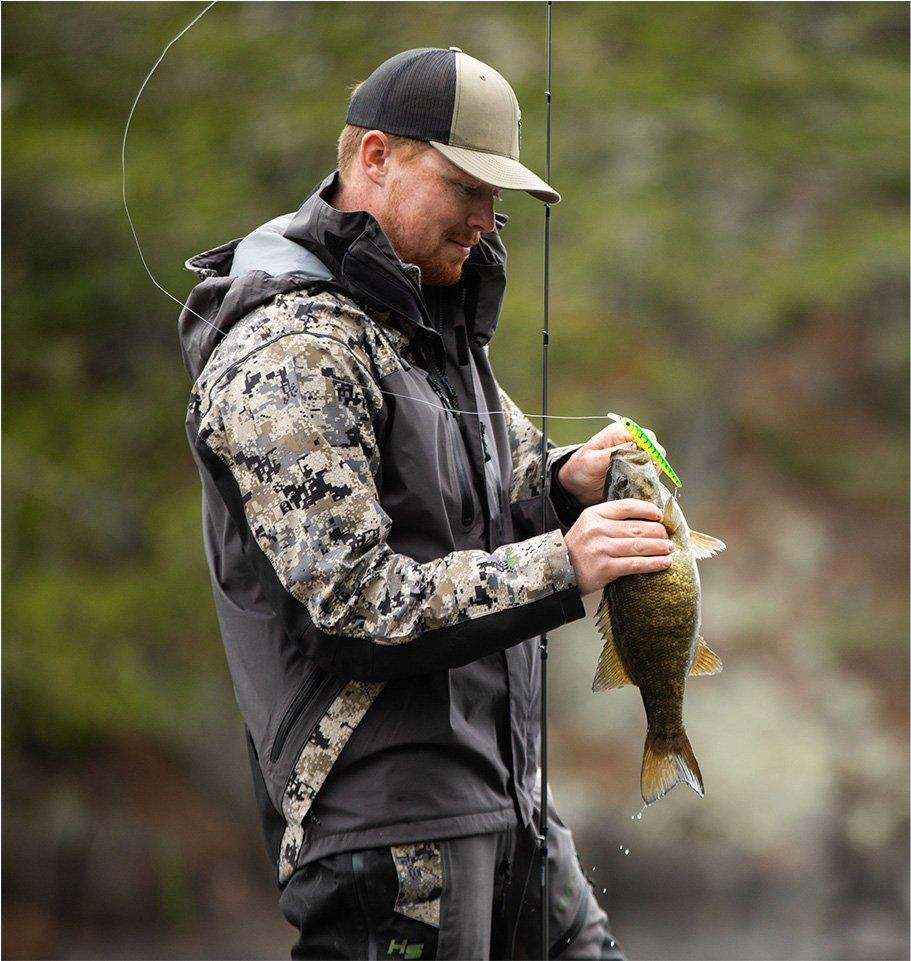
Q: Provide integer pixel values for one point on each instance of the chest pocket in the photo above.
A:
(426, 477)
(467, 500)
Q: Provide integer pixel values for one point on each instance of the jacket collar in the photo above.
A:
(357, 252)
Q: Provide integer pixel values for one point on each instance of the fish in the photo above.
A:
(650, 624)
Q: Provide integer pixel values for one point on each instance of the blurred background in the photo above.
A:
(730, 268)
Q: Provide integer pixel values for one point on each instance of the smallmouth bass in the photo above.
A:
(650, 624)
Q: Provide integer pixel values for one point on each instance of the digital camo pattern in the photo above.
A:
(325, 313)
(525, 450)
(315, 762)
(292, 417)
(420, 871)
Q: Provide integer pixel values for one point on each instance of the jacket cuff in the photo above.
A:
(565, 505)
(545, 561)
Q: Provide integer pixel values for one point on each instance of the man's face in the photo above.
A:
(434, 213)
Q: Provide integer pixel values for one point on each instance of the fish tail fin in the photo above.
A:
(666, 762)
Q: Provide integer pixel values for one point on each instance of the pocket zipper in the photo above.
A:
(454, 445)
(464, 488)
(307, 689)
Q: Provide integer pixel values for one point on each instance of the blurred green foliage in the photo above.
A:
(730, 267)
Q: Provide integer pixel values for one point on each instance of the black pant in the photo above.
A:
(470, 898)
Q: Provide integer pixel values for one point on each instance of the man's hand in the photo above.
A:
(616, 538)
(583, 474)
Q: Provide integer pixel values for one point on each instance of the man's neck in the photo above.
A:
(346, 197)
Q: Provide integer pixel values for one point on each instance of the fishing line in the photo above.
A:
(123, 161)
(185, 306)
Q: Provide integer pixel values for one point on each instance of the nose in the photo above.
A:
(481, 216)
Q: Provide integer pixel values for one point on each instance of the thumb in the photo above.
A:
(606, 453)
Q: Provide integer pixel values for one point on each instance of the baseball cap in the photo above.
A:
(459, 105)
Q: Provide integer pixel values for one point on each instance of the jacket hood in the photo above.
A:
(319, 243)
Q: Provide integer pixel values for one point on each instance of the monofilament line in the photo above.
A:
(123, 161)
(185, 306)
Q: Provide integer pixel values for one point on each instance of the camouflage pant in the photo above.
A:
(470, 897)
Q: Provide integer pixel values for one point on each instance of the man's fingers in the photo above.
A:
(627, 507)
(638, 546)
(610, 436)
(606, 453)
(615, 435)
(635, 529)
(641, 565)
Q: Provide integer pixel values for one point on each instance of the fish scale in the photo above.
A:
(650, 625)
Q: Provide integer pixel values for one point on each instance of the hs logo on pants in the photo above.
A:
(404, 949)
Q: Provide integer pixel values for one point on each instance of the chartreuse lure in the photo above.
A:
(645, 443)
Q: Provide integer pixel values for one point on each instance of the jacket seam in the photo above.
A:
(505, 809)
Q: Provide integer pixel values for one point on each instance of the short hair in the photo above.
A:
(349, 143)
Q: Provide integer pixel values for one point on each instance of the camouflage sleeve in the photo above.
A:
(293, 422)
(525, 489)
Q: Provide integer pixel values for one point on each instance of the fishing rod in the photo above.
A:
(542, 813)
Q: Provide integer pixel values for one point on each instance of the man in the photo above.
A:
(372, 519)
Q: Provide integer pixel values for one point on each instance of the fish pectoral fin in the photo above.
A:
(704, 545)
(610, 671)
(670, 515)
(706, 660)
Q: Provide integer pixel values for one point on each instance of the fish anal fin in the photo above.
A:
(705, 661)
(704, 545)
(666, 762)
(610, 672)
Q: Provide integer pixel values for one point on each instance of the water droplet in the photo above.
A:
(626, 851)
(604, 890)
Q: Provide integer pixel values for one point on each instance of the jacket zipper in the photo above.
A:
(454, 445)
(307, 689)
(464, 488)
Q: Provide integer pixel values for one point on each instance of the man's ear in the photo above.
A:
(374, 156)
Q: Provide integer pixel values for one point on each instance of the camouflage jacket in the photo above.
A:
(377, 559)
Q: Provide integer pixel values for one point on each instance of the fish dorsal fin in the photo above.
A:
(706, 661)
(704, 545)
(670, 516)
(610, 671)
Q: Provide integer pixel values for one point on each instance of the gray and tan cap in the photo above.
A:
(460, 106)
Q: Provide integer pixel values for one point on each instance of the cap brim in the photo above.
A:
(498, 171)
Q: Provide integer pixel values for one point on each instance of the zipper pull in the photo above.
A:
(438, 390)
(484, 446)
(453, 397)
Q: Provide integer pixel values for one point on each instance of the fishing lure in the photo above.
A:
(645, 443)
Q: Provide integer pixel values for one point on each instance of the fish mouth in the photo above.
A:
(629, 475)
(637, 456)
